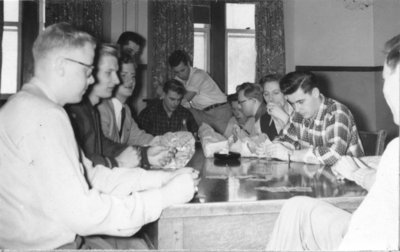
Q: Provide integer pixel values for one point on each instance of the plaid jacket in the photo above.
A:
(154, 120)
(331, 133)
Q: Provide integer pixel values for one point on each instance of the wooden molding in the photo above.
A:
(340, 68)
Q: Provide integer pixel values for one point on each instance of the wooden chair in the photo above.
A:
(373, 142)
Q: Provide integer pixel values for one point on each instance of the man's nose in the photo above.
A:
(115, 79)
(296, 108)
(90, 80)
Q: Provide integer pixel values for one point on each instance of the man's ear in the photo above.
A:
(59, 66)
(315, 92)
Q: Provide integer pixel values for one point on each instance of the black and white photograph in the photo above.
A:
(200, 125)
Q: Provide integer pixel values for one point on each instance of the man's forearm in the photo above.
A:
(190, 95)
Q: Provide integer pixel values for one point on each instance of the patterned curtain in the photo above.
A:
(172, 30)
(86, 15)
(270, 38)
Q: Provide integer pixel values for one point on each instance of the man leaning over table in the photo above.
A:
(50, 194)
(251, 102)
(320, 131)
(238, 118)
(203, 98)
(309, 224)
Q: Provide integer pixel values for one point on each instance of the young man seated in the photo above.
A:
(51, 194)
(251, 102)
(238, 118)
(309, 224)
(168, 115)
(320, 131)
(116, 117)
(87, 125)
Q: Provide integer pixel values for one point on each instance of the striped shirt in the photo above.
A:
(331, 133)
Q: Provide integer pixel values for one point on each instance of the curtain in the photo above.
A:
(29, 30)
(86, 15)
(1, 35)
(270, 39)
(172, 30)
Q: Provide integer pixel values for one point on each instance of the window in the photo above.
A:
(15, 44)
(241, 49)
(201, 50)
(224, 42)
(10, 47)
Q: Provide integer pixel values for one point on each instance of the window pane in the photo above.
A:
(241, 59)
(198, 25)
(240, 16)
(200, 52)
(9, 65)
(11, 12)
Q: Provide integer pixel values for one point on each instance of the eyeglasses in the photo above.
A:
(89, 67)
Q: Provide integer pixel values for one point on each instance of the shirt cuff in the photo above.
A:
(144, 163)
(112, 162)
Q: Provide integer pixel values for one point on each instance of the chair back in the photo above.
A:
(373, 142)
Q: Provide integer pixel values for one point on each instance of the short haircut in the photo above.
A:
(291, 82)
(232, 97)
(174, 85)
(126, 58)
(392, 51)
(105, 49)
(270, 78)
(127, 36)
(251, 90)
(177, 57)
(60, 36)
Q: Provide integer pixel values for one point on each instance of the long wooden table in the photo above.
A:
(238, 202)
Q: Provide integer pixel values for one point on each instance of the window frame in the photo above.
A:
(206, 31)
(234, 31)
(18, 25)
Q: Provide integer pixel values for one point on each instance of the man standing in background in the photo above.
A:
(203, 97)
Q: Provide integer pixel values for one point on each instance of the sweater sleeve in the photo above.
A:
(111, 205)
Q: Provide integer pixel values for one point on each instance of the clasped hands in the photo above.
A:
(180, 186)
(158, 156)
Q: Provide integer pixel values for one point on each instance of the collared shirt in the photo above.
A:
(263, 123)
(117, 110)
(207, 91)
(331, 133)
(155, 120)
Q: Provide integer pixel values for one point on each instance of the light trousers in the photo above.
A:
(308, 224)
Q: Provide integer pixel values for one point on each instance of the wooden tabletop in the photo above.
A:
(239, 201)
(253, 179)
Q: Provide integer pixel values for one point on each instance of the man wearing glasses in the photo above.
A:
(51, 195)
(251, 102)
